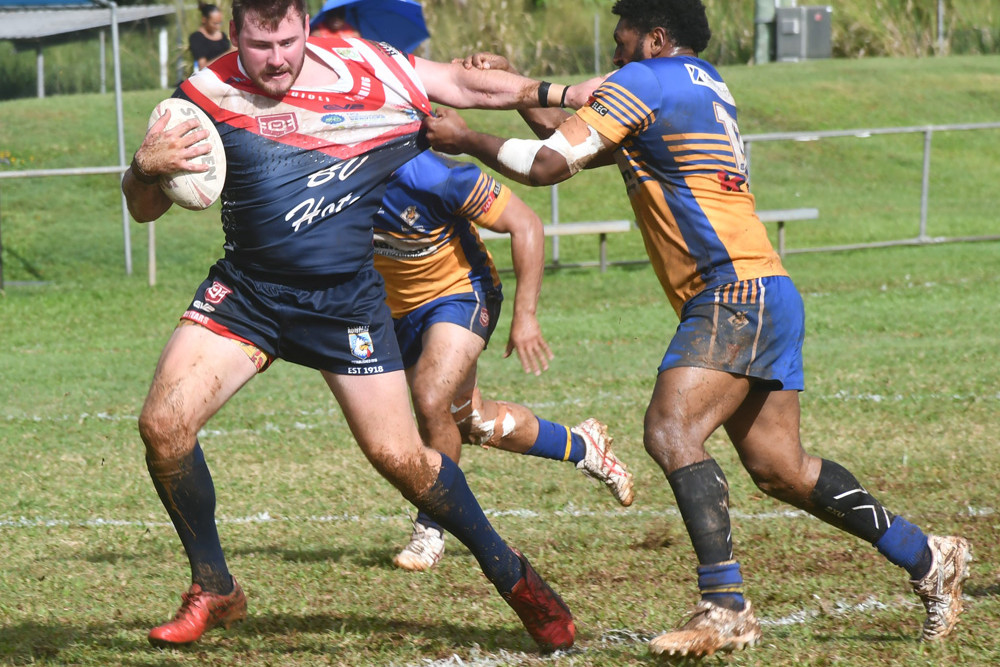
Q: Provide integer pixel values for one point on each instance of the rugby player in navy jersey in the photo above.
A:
(669, 122)
(312, 130)
(445, 293)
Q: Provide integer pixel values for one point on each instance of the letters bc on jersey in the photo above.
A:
(307, 171)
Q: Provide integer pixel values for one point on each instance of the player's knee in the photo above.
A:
(164, 433)
(773, 481)
(664, 441)
(432, 404)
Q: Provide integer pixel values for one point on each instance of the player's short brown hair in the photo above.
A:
(270, 13)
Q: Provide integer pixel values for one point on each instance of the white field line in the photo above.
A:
(266, 517)
(839, 396)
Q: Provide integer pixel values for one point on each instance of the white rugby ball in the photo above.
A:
(193, 189)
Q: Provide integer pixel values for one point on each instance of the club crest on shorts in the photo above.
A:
(361, 343)
(216, 293)
(484, 317)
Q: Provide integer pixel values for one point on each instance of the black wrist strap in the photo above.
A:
(562, 100)
(543, 93)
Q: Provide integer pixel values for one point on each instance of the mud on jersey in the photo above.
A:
(306, 172)
(426, 243)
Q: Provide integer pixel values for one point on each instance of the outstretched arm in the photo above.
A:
(161, 152)
(472, 88)
(572, 147)
(527, 250)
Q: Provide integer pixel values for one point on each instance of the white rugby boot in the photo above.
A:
(601, 463)
(710, 629)
(941, 588)
(424, 550)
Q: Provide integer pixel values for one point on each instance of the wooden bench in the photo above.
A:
(602, 229)
(781, 216)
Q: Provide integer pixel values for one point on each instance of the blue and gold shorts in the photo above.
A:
(476, 311)
(752, 328)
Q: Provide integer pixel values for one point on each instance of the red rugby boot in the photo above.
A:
(200, 612)
(545, 616)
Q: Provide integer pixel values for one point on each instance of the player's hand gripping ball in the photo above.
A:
(195, 190)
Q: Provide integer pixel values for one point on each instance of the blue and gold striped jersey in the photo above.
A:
(685, 171)
(426, 243)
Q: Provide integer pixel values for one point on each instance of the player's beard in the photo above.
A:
(278, 88)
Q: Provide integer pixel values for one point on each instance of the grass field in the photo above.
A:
(903, 387)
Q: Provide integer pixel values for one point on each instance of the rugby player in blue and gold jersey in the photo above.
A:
(445, 294)
(669, 122)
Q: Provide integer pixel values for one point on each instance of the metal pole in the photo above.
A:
(554, 202)
(925, 186)
(40, 70)
(164, 56)
(104, 63)
(120, 116)
(764, 17)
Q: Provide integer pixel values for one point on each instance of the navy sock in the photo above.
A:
(425, 520)
(451, 503)
(722, 584)
(557, 442)
(186, 490)
(905, 545)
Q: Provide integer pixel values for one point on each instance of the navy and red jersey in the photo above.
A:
(306, 172)
(682, 159)
(426, 243)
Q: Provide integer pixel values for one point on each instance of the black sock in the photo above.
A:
(702, 496)
(186, 490)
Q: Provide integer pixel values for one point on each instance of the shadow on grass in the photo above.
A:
(31, 642)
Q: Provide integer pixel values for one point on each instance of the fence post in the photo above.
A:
(925, 185)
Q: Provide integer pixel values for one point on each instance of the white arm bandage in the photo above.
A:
(518, 155)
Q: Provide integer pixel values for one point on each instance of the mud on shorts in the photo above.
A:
(476, 311)
(336, 323)
(752, 328)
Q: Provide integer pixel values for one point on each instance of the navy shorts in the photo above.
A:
(752, 328)
(476, 311)
(336, 323)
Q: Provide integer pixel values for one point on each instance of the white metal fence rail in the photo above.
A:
(920, 239)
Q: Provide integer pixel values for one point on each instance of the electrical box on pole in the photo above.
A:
(803, 33)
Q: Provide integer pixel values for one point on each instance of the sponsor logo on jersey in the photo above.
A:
(700, 77)
(216, 293)
(343, 107)
(361, 342)
(410, 215)
(730, 183)
(277, 125)
(348, 54)
(599, 108)
(490, 198)
(366, 119)
(484, 317)
(388, 49)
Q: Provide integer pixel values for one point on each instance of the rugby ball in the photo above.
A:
(192, 189)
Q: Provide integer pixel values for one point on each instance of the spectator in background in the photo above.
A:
(334, 23)
(209, 41)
